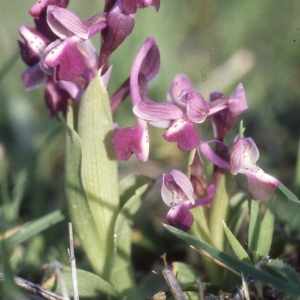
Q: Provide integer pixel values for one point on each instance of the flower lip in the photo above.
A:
(180, 217)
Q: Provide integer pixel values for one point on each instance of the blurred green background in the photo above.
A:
(217, 44)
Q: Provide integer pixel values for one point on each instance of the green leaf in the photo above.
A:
(283, 271)
(90, 286)
(8, 288)
(283, 191)
(287, 208)
(79, 209)
(254, 229)
(238, 209)
(122, 276)
(236, 264)
(236, 246)
(99, 164)
(152, 284)
(186, 274)
(266, 232)
(191, 295)
(129, 184)
(34, 228)
(17, 194)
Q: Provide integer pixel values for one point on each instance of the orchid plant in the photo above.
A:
(60, 55)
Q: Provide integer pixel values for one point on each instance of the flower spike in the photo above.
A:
(177, 192)
(223, 121)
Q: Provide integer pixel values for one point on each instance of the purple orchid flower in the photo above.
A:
(224, 120)
(177, 192)
(242, 159)
(40, 47)
(62, 58)
(119, 25)
(135, 139)
(188, 107)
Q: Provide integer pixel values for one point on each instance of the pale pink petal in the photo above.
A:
(72, 88)
(260, 185)
(243, 154)
(65, 23)
(153, 111)
(184, 183)
(197, 108)
(33, 78)
(105, 77)
(90, 55)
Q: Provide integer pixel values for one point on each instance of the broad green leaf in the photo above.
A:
(34, 228)
(90, 286)
(186, 274)
(219, 208)
(99, 165)
(8, 288)
(122, 276)
(238, 208)
(79, 209)
(254, 229)
(283, 271)
(236, 246)
(266, 233)
(129, 184)
(218, 212)
(152, 284)
(237, 264)
(200, 226)
(17, 195)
